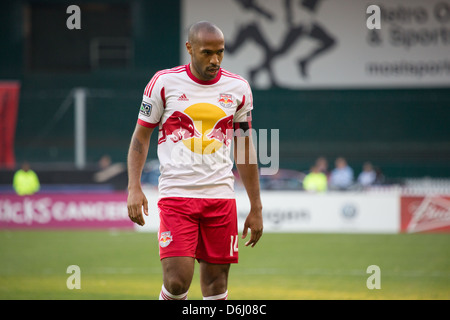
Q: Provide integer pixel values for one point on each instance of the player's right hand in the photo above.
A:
(136, 202)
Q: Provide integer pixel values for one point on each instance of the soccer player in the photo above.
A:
(197, 107)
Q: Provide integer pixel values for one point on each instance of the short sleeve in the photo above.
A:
(243, 111)
(153, 103)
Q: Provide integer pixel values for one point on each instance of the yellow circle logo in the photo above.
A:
(213, 125)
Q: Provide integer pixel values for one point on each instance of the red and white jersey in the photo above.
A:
(196, 120)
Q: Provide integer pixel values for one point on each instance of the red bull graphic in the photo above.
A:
(179, 126)
(165, 239)
(226, 100)
(222, 130)
(206, 129)
(202, 127)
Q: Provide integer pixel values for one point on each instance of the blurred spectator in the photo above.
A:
(284, 179)
(341, 177)
(315, 180)
(322, 165)
(107, 170)
(368, 176)
(380, 178)
(26, 181)
(150, 173)
(104, 162)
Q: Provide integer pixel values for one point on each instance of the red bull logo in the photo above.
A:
(165, 239)
(203, 128)
(226, 100)
(178, 126)
(222, 130)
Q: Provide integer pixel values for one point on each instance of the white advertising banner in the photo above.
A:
(295, 211)
(330, 43)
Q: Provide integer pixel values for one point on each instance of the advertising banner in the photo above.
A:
(330, 43)
(295, 211)
(425, 213)
(51, 211)
(331, 212)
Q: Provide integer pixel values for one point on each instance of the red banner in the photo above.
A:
(9, 104)
(425, 213)
(49, 211)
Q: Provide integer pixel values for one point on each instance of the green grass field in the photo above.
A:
(125, 265)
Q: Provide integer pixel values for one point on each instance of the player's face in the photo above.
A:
(206, 55)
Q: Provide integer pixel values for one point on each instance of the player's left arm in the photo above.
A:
(247, 166)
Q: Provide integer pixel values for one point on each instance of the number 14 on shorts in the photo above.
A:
(234, 245)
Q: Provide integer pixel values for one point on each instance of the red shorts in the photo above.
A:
(205, 229)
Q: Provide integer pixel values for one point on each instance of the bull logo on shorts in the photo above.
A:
(165, 239)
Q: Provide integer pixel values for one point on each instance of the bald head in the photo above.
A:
(203, 28)
(206, 45)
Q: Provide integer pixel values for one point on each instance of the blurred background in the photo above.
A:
(332, 86)
(355, 100)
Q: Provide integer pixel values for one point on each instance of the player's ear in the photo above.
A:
(189, 47)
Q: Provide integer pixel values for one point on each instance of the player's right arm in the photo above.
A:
(150, 112)
(137, 155)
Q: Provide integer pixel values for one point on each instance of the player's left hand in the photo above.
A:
(254, 221)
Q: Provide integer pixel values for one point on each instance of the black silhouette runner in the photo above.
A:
(293, 34)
